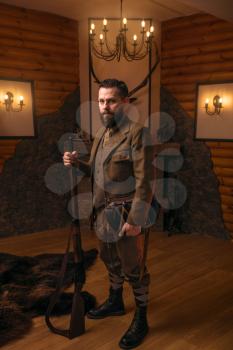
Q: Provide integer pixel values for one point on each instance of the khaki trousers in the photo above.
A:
(123, 261)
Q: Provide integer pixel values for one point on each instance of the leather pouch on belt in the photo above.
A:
(116, 214)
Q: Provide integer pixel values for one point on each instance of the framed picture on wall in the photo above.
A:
(214, 111)
(17, 116)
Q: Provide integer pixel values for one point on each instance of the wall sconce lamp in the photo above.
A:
(9, 100)
(217, 103)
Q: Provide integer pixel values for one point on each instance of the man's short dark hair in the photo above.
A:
(120, 85)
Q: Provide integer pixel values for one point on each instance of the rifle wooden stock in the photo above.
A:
(77, 320)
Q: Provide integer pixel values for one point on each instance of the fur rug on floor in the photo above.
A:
(26, 284)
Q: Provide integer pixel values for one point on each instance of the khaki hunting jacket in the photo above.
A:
(127, 167)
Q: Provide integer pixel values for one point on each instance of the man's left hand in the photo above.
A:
(131, 230)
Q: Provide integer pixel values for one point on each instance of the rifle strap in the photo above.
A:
(145, 250)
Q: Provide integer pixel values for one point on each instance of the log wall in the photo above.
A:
(42, 47)
(199, 48)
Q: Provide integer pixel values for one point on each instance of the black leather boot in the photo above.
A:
(113, 306)
(137, 330)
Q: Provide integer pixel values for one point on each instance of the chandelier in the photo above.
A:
(136, 48)
(217, 103)
(131, 49)
(9, 101)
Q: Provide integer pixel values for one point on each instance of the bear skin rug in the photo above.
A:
(26, 285)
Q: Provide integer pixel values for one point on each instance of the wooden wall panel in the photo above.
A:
(41, 47)
(194, 49)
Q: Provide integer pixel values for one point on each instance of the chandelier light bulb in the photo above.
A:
(207, 103)
(90, 31)
(92, 26)
(125, 21)
(21, 98)
(105, 22)
(220, 102)
(148, 34)
(152, 29)
(135, 37)
(101, 37)
(143, 24)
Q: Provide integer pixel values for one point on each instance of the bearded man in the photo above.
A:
(122, 171)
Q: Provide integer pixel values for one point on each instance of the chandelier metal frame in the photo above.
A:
(123, 48)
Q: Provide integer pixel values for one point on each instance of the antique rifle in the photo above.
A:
(77, 319)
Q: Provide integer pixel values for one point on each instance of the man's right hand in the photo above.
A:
(70, 158)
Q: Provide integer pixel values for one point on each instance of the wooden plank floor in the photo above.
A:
(191, 304)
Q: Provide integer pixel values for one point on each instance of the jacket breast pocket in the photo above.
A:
(120, 166)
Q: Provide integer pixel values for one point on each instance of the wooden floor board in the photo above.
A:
(191, 295)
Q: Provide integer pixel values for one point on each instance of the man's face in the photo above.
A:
(110, 106)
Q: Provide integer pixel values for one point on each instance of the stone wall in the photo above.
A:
(28, 202)
(201, 212)
(34, 184)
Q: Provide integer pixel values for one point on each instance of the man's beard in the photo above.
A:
(110, 120)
